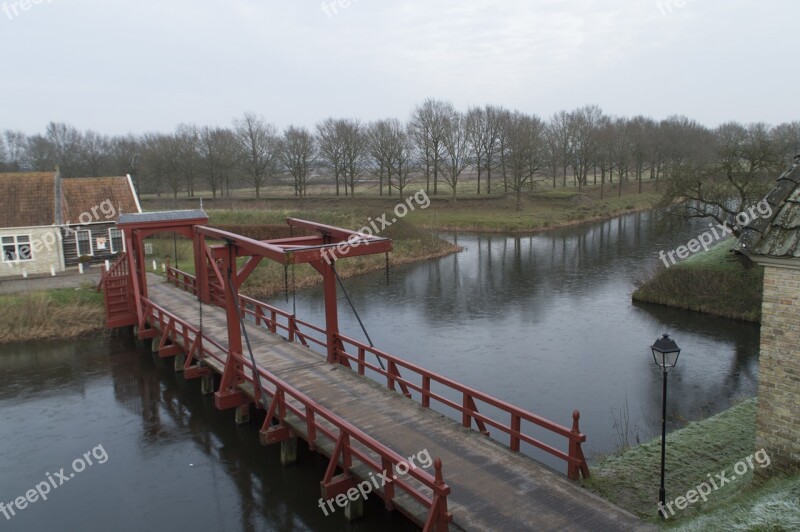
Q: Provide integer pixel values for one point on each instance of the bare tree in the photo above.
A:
(380, 149)
(525, 153)
(561, 131)
(154, 163)
(401, 156)
(428, 128)
(330, 142)
(65, 143)
(16, 150)
(584, 125)
(605, 155)
(456, 150)
(621, 149)
(503, 118)
(736, 177)
(354, 153)
(217, 149)
(94, 155)
(297, 151)
(187, 137)
(786, 137)
(257, 145)
(126, 155)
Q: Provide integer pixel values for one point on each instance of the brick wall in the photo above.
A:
(778, 420)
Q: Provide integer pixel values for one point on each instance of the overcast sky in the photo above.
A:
(140, 65)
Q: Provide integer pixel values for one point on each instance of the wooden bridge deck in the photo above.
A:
(492, 488)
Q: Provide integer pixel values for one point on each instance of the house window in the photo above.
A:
(117, 242)
(17, 248)
(83, 241)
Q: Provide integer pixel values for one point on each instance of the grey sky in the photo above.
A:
(121, 66)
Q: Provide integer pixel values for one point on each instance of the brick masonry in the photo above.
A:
(778, 419)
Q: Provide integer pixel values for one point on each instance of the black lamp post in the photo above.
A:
(665, 354)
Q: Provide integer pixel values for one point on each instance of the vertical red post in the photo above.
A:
(228, 395)
(200, 268)
(142, 262)
(331, 309)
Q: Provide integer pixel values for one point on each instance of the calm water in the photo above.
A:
(543, 321)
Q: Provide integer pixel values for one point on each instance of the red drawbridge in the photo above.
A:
(319, 385)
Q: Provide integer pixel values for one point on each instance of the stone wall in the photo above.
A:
(46, 251)
(778, 420)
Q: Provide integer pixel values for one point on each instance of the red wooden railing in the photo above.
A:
(349, 443)
(512, 421)
(117, 298)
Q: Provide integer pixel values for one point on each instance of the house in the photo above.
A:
(48, 223)
(774, 242)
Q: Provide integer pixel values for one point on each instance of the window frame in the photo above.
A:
(16, 244)
(78, 245)
(111, 240)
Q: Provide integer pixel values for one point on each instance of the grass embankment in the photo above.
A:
(544, 208)
(411, 244)
(541, 210)
(711, 446)
(715, 282)
(60, 313)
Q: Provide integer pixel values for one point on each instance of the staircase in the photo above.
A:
(117, 296)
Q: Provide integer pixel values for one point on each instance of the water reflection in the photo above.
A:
(175, 462)
(546, 321)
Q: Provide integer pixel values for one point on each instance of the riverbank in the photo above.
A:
(56, 313)
(715, 282)
(549, 209)
(544, 208)
(709, 447)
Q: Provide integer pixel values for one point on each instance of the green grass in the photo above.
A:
(715, 282)
(711, 446)
(541, 210)
(58, 313)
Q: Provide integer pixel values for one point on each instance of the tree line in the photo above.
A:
(498, 149)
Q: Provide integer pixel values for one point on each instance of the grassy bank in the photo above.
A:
(714, 282)
(411, 244)
(61, 313)
(711, 446)
(544, 208)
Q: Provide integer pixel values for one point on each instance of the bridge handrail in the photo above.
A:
(152, 309)
(181, 279)
(469, 410)
(575, 459)
(389, 458)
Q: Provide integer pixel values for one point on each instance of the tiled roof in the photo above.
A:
(86, 193)
(27, 199)
(779, 235)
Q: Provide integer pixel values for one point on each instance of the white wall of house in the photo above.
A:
(33, 250)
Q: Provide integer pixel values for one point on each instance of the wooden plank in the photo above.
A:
(492, 487)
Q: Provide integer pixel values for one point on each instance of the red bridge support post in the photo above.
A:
(229, 395)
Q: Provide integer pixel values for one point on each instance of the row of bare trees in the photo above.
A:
(499, 150)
